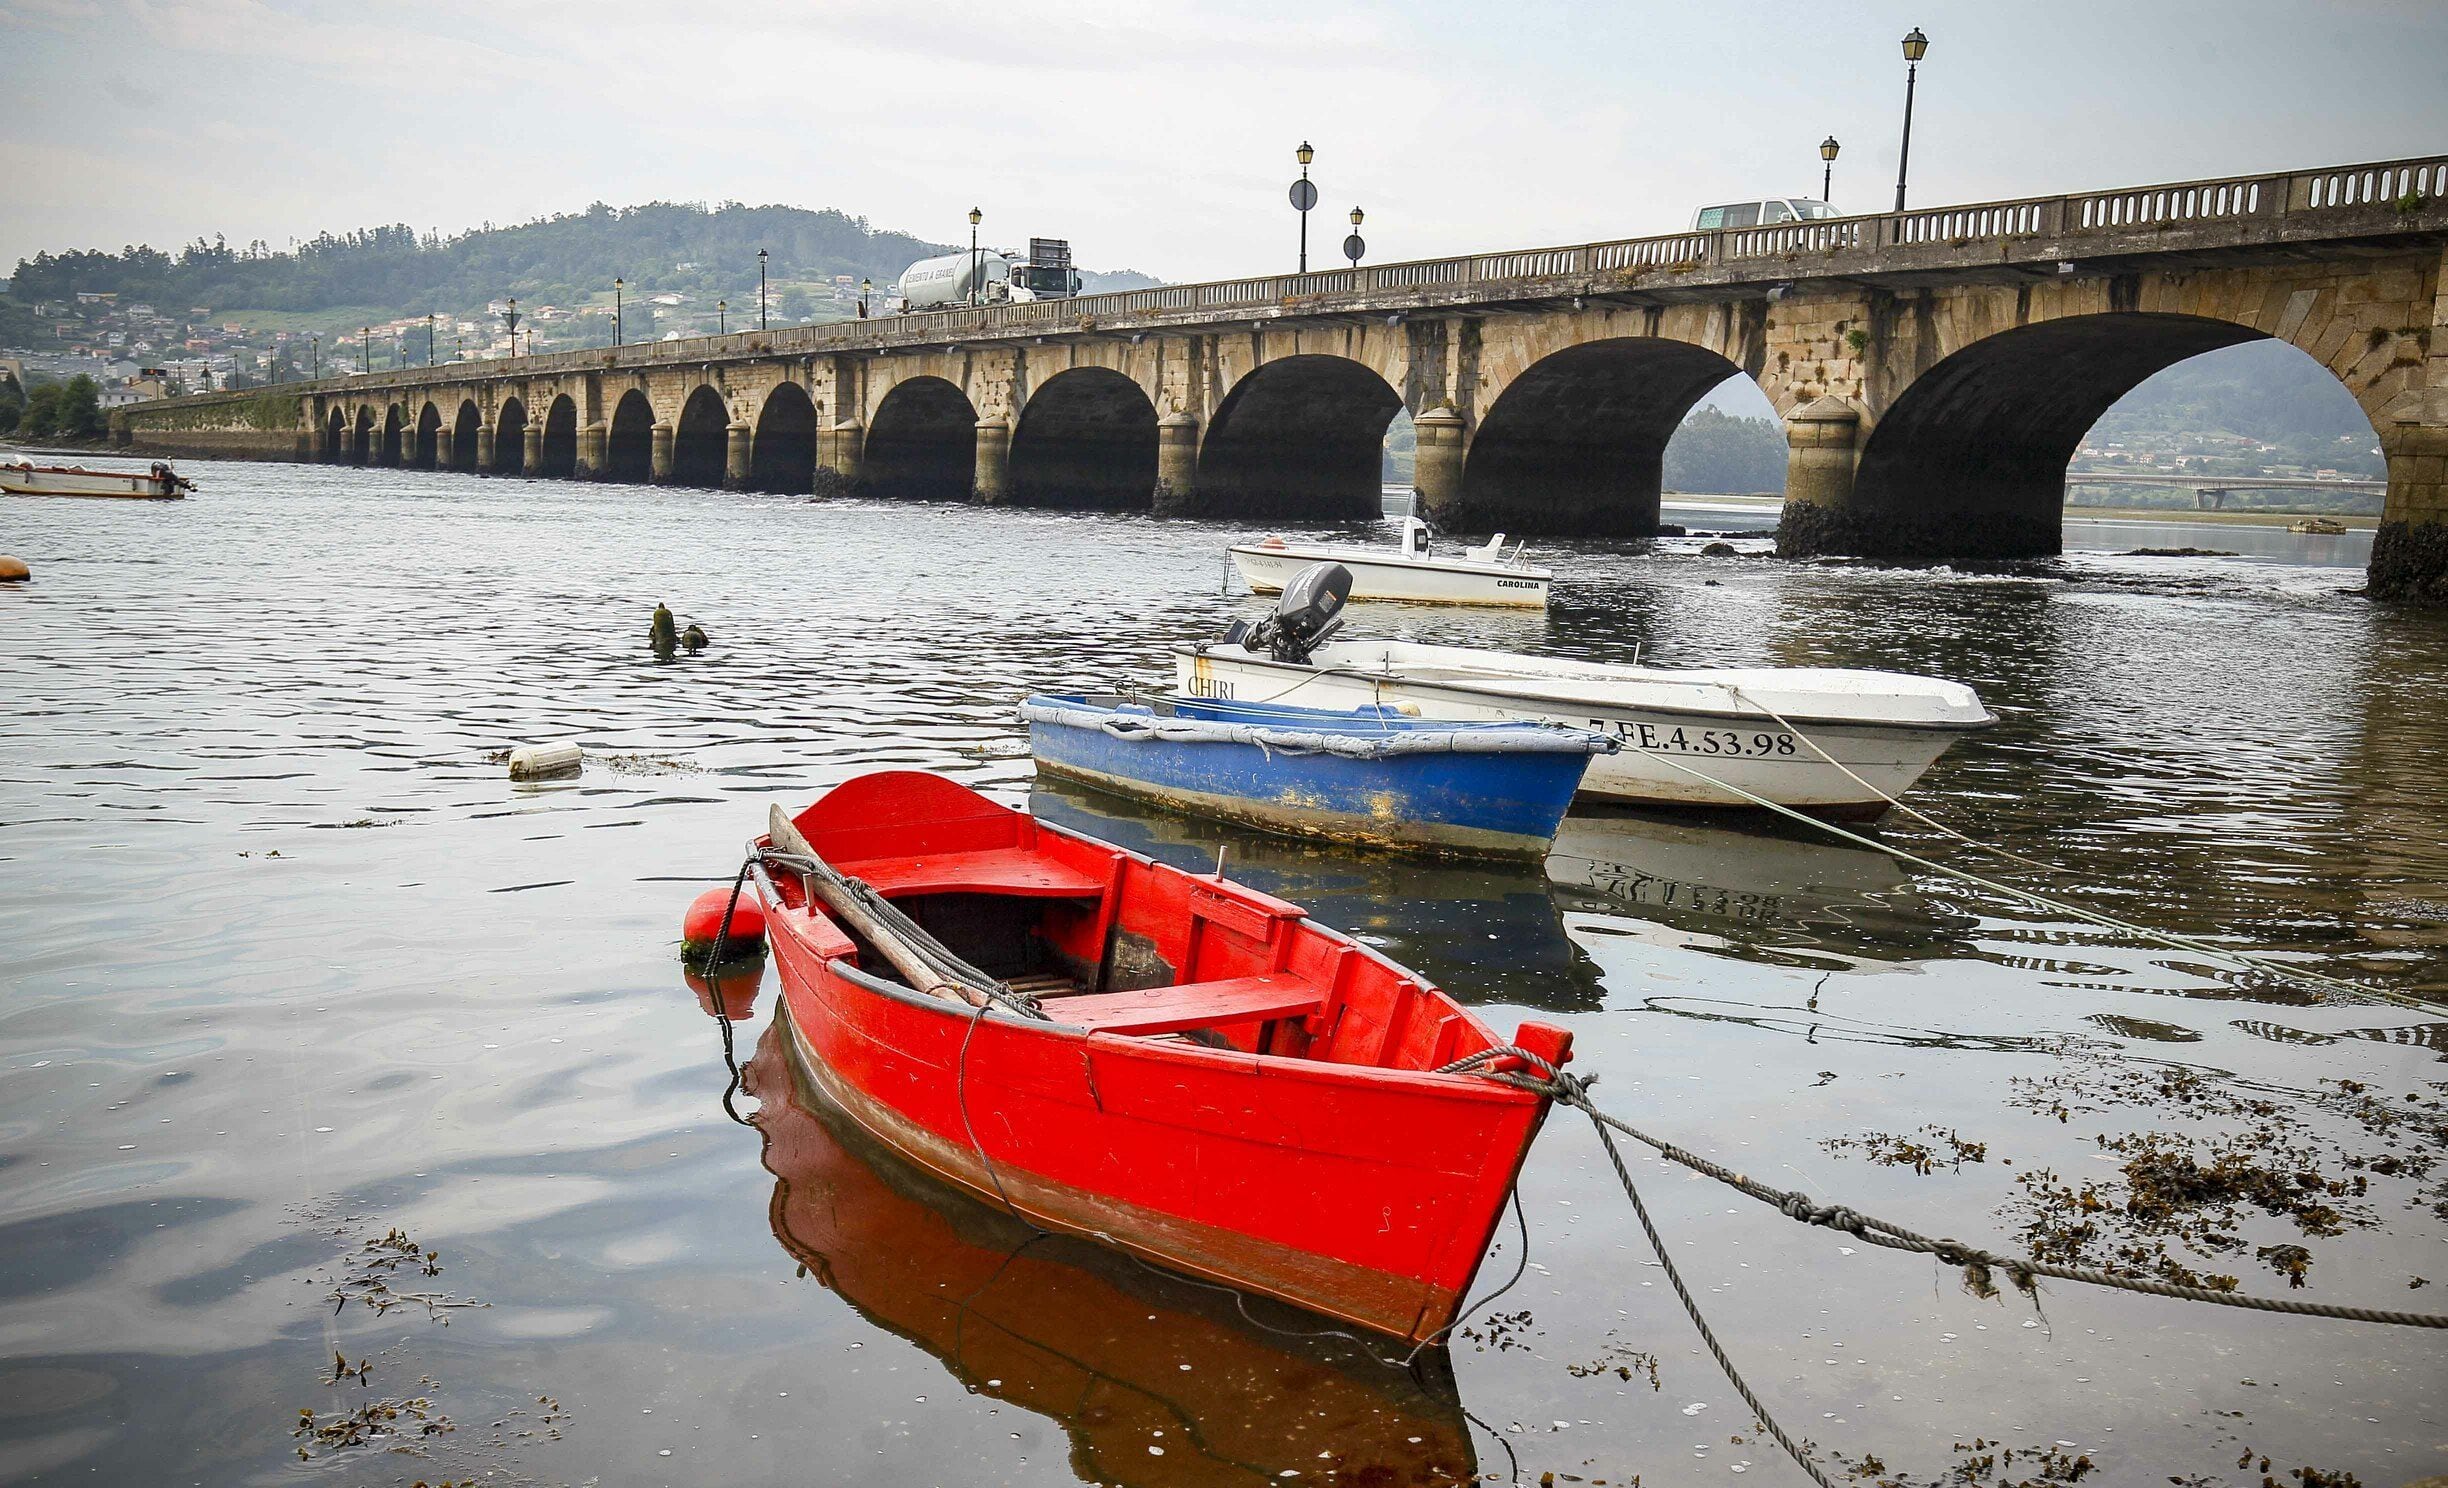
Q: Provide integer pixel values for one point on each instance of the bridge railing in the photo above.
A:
(2055, 220)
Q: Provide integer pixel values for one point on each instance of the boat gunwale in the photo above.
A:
(1496, 689)
(1275, 1065)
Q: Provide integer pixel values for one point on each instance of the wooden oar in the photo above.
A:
(827, 886)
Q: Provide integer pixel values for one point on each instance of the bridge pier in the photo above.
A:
(443, 458)
(659, 453)
(534, 444)
(1436, 471)
(2409, 561)
(484, 448)
(591, 442)
(1822, 446)
(993, 482)
(737, 461)
(842, 450)
(1177, 440)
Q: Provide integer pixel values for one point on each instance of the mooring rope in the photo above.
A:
(2241, 960)
(1573, 1090)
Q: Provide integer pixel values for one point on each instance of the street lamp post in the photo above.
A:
(975, 217)
(1304, 196)
(616, 312)
(365, 349)
(317, 338)
(866, 287)
(510, 317)
(722, 317)
(1353, 246)
(1827, 168)
(429, 338)
(761, 289)
(1916, 46)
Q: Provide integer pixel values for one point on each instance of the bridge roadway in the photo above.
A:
(1935, 370)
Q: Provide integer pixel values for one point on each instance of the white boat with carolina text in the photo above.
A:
(1484, 575)
(161, 483)
(1835, 743)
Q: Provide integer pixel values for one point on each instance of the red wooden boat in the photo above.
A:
(1217, 1083)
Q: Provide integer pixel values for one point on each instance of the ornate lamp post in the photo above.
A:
(429, 338)
(760, 289)
(722, 317)
(1827, 169)
(318, 355)
(866, 288)
(1353, 246)
(510, 317)
(365, 349)
(1916, 46)
(616, 312)
(975, 217)
(1304, 196)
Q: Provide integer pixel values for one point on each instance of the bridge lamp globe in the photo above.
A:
(1304, 154)
(975, 217)
(1916, 45)
(1827, 169)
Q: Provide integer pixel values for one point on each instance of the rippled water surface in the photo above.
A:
(316, 1028)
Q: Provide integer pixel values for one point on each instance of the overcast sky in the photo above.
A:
(1157, 135)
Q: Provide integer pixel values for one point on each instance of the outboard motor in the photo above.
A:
(1309, 611)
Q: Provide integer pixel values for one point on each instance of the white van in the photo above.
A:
(1762, 213)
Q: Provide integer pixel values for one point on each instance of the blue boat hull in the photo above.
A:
(1463, 803)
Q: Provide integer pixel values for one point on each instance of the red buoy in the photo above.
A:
(745, 935)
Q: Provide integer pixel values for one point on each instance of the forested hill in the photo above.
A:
(568, 259)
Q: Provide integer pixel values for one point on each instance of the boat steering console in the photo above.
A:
(1309, 611)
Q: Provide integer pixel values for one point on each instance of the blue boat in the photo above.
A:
(1372, 776)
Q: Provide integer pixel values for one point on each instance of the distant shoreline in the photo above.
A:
(2078, 513)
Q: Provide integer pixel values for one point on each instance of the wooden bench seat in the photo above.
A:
(1008, 870)
(1252, 999)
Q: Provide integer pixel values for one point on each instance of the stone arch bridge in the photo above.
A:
(1935, 370)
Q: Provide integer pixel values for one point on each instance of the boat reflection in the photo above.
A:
(1122, 1357)
(1493, 932)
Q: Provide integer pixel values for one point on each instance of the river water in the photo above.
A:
(321, 1037)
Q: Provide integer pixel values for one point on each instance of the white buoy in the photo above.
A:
(544, 761)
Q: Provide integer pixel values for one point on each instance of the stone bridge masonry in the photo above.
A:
(1935, 370)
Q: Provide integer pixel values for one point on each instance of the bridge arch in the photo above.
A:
(464, 429)
(1087, 438)
(629, 441)
(428, 449)
(1577, 443)
(364, 442)
(922, 444)
(335, 436)
(394, 431)
(510, 438)
(1298, 437)
(559, 457)
(698, 438)
(782, 456)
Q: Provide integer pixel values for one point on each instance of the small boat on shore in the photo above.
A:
(1163, 1061)
(1838, 743)
(1372, 775)
(2318, 526)
(161, 483)
(1484, 575)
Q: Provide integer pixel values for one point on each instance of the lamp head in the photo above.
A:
(1355, 216)
(976, 216)
(1916, 45)
(1304, 154)
(1827, 148)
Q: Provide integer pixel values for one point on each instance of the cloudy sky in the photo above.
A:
(1157, 135)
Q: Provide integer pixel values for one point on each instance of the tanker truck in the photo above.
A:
(991, 277)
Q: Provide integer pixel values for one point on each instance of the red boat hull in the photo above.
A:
(1346, 1178)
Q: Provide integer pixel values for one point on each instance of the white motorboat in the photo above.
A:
(1835, 743)
(1485, 575)
(160, 483)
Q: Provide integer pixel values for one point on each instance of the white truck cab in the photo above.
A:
(1762, 213)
